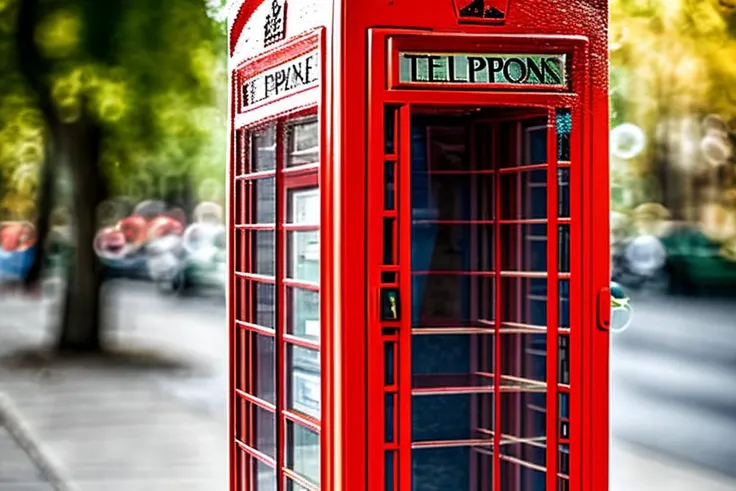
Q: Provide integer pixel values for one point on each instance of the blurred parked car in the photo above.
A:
(17, 247)
(195, 260)
(697, 263)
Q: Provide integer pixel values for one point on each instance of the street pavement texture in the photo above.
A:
(673, 380)
(133, 429)
(21, 466)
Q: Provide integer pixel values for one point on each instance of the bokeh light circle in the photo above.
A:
(645, 255)
(209, 212)
(627, 141)
(716, 148)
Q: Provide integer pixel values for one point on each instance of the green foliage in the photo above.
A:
(672, 63)
(671, 58)
(153, 73)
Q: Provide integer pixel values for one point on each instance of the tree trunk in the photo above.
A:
(83, 313)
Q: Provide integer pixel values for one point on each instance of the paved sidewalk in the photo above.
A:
(132, 430)
(21, 469)
(112, 429)
(634, 469)
(115, 432)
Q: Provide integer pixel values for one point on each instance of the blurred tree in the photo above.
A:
(115, 91)
(672, 64)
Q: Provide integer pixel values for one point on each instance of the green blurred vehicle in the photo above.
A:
(699, 264)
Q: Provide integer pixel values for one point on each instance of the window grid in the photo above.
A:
(390, 286)
(262, 288)
(543, 342)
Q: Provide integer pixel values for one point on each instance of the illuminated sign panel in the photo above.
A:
(544, 70)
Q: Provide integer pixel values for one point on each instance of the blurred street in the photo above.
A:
(673, 379)
(673, 411)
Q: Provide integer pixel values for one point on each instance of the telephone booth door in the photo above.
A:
(478, 344)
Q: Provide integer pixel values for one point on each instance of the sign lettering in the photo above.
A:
(483, 69)
(276, 82)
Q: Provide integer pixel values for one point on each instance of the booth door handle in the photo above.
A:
(604, 309)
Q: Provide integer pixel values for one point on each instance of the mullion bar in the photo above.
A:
(402, 136)
(520, 301)
(256, 454)
(235, 359)
(475, 418)
(552, 303)
(253, 176)
(577, 340)
(280, 306)
(496, 155)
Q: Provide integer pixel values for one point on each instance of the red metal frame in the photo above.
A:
(358, 78)
(378, 97)
(242, 353)
(287, 179)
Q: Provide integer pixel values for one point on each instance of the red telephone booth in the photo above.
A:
(419, 235)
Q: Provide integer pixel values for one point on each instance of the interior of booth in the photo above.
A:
(479, 235)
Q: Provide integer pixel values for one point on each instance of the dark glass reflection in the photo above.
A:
(263, 149)
(453, 369)
(265, 200)
(389, 457)
(451, 238)
(266, 362)
(265, 252)
(265, 313)
(388, 417)
(389, 126)
(265, 431)
(302, 451)
(563, 193)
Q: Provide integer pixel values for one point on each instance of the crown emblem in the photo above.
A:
(492, 11)
(274, 29)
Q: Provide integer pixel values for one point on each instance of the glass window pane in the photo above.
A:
(263, 149)
(519, 476)
(525, 247)
(302, 451)
(389, 465)
(563, 193)
(535, 146)
(264, 364)
(265, 252)
(304, 390)
(304, 320)
(449, 468)
(265, 300)
(564, 306)
(523, 420)
(445, 418)
(265, 430)
(524, 303)
(563, 248)
(294, 486)
(302, 143)
(265, 200)
(304, 207)
(304, 255)
(389, 120)
(264, 476)
(525, 195)
(389, 179)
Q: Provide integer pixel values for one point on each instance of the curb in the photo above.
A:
(19, 430)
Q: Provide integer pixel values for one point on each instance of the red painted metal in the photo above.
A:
(359, 80)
